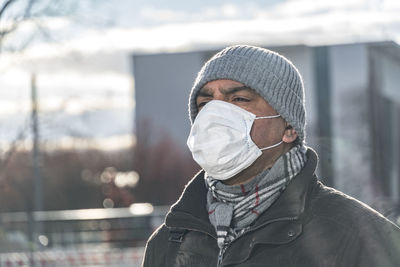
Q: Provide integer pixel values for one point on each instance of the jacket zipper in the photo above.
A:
(221, 251)
(221, 256)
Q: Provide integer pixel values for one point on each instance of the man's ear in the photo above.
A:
(290, 135)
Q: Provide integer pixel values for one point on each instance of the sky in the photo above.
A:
(82, 59)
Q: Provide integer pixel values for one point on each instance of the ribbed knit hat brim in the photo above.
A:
(271, 75)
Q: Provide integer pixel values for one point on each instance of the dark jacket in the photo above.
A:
(308, 225)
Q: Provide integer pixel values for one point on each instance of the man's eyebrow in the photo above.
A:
(233, 90)
(227, 91)
(204, 92)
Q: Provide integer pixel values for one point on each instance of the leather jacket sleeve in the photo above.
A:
(378, 245)
(154, 255)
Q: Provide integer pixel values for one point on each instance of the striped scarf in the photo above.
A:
(232, 209)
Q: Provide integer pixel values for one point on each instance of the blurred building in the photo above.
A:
(352, 99)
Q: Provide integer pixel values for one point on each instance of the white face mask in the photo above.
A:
(220, 139)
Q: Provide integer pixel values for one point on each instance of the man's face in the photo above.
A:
(265, 132)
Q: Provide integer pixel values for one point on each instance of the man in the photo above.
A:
(257, 201)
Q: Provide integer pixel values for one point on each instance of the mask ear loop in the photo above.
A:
(268, 117)
(269, 147)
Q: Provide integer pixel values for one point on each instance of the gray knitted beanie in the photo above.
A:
(271, 75)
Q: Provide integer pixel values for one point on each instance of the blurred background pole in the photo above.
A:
(323, 85)
(38, 203)
(37, 178)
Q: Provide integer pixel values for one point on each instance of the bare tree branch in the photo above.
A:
(5, 6)
(13, 24)
(30, 10)
(4, 159)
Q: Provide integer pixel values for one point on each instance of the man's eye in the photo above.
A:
(240, 99)
(201, 104)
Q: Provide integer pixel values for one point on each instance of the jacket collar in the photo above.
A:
(190, 211)
(291, 203)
